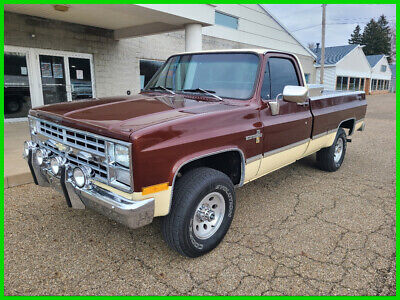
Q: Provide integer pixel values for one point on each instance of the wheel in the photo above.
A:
(13, 105)
(202, 210)
(331, 158)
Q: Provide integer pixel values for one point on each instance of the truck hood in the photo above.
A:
(119, 117)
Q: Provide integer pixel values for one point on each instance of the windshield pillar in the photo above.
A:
(193, 37)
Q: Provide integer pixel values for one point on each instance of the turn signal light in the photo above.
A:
(155, 188)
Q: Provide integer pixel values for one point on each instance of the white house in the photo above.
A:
(58, 53)
(381, 74)
(346, 68)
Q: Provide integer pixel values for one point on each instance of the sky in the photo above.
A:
(304, 20)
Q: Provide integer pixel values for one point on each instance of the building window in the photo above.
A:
(362, 84)
(383, 68)
(379, 84)
(386, 84)
(226, 20)
(147, 69)
(357, 84)
(341, 83)
(352, 85)
(307, 76)
(373, 85)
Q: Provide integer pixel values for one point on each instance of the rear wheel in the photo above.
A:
(201, 213)
(331, 158)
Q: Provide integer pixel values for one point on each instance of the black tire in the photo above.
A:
(326, 156)
(177, 227)
(13, 105)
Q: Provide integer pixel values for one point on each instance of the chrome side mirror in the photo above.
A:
(275, 105)
(297, 94)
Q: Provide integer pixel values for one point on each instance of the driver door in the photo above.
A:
(287, 134)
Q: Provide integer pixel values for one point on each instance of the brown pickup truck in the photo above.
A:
(207, 122)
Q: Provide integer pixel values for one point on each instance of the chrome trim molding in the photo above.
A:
(275, 151)
(253, 158)
(329, 94)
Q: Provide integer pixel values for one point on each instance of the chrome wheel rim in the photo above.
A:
(338, 150)
(208, 215)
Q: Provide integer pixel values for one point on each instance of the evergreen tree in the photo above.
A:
(356, 36)
(376, 37)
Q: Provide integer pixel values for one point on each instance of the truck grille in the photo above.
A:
(86, 142)
(73, 138)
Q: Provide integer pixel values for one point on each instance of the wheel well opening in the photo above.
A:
(349, 124)
(229, 163)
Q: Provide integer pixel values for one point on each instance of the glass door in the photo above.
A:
(52, 73)
(17, 96)
(80, 78)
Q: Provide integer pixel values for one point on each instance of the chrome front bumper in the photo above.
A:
(131, 213)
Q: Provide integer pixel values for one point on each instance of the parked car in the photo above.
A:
(16, 93)
(207, 122)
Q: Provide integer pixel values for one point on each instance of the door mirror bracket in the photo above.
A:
(275, 105)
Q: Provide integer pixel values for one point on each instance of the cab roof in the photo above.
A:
(254, 50)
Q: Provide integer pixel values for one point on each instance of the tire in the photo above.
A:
(183, 229)
(13, 105)
(329, 159)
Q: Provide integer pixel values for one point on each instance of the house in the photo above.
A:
(58, 53)
(393, 79)
(346, 68)
(380, 74)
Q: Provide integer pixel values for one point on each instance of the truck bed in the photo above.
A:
(332, 108)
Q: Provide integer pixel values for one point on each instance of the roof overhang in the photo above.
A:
(125, 20)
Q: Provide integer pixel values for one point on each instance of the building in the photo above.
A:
(346, 68)
(58, 53)
(380, 74)
(393, 79)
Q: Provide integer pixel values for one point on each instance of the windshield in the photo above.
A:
(229, 75)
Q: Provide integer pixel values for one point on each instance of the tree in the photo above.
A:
(356, 36)
(376, 37)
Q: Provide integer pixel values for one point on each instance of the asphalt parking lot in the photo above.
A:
(297, 231)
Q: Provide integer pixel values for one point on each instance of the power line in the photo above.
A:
(337, 23)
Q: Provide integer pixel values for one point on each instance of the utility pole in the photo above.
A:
(322, 62)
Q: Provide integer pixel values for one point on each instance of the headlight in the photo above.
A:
(122, 155)
(56, 163)
(81, 176)
(34, 125)
(28, 145)
(123, 176)
(41, 154)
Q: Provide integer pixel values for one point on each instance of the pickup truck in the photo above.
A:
(206, 123)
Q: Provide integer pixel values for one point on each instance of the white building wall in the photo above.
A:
(256, 27)
(376, 72)
(329, 77)
(354, 64)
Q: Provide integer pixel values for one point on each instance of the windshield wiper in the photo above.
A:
(208, 92)
(160, 87)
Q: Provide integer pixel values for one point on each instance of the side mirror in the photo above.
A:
(297, 94)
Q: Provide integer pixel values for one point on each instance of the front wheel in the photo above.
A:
(201, 213)
(331, 158)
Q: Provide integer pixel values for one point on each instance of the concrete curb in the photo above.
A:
(17, 179)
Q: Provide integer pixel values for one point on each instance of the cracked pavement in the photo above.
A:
(297, 231)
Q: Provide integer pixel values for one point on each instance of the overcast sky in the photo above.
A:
(304, 20)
